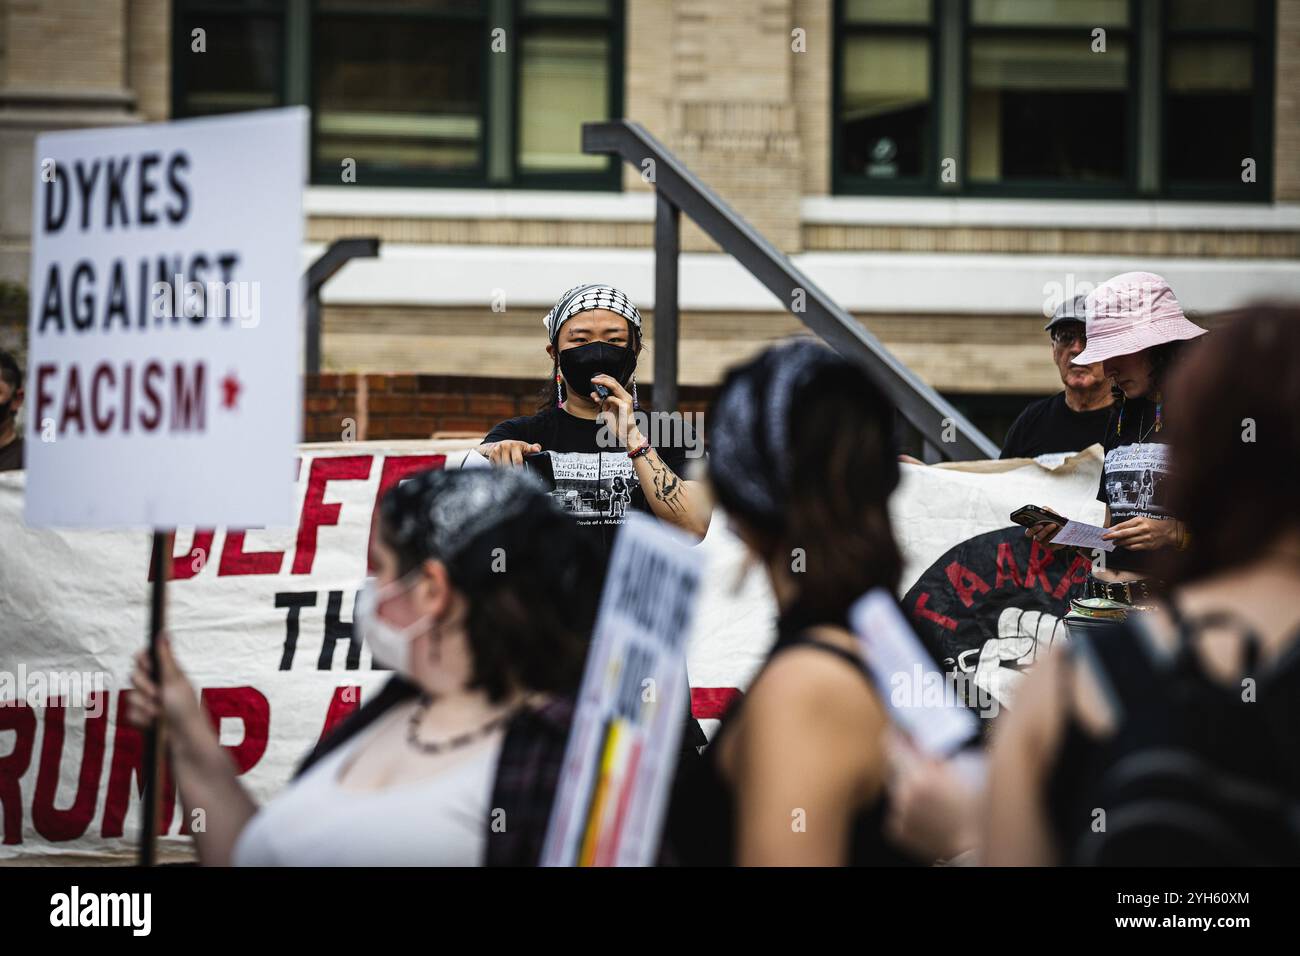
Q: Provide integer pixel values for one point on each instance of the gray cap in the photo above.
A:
(1071, 311)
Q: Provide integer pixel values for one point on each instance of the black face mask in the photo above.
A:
(580, 363)
(5, 409)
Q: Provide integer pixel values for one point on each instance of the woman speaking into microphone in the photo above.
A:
(586, 442)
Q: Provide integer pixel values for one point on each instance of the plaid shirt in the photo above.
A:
(528, 771)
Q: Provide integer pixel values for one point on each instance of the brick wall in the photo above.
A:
(401, 406)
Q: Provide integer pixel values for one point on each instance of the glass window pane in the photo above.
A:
(1060, 13)
(885, 106)
(566, 8)
(400, 6)
(563, 83)
(1211, 14)
(887, 11)
(240, 69)
(1209, 110)
(398, 95)
(1044, 108)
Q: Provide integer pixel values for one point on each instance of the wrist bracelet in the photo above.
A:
(640, 449)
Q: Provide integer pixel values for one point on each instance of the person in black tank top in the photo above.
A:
(802, 460)
(1170, 739)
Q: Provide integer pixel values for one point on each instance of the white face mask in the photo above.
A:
(390, 646)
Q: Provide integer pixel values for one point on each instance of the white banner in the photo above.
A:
(261, 620)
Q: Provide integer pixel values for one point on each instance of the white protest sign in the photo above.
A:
(907, 679)
(165, 331)
(622, 751)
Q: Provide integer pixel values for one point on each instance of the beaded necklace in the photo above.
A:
(1156, 425)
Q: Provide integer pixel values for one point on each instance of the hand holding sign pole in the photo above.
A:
(165, 334)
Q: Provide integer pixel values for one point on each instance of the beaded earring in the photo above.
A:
(559, 391)
(1159, 412)
(636, 404)
(1119, 419)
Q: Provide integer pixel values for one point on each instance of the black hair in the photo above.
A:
(10, 370)
(530, 619)
(843, 465)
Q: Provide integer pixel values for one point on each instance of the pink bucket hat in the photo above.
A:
(1132, 312)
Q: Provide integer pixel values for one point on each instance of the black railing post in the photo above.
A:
(668, 244)
(948, 431)
(318, 273)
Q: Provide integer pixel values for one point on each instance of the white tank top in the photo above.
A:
(314, 821)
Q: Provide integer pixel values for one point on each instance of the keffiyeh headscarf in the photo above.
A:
(584, 298)
(460, 516)
(750, 426)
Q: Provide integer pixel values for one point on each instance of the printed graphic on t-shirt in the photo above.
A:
(594, 488)
(1137, 480)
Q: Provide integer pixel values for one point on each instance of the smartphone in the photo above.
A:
(1031, 515)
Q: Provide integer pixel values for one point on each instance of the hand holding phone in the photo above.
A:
(1030, 515)
(1040, 524)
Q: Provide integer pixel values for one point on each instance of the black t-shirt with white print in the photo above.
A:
(1135, 476)
(597, 485)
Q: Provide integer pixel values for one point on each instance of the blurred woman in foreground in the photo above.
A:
(1171, 738)
(468, 735)
(802, 460)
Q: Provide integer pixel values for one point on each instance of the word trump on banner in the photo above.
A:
(622, 751)
(165, 323)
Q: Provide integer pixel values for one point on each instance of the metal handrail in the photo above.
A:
(318, 273)
(945, 430)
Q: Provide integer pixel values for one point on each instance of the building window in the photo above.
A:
(418, 92)
(1042, 108)
(1086, 98)
(1217, 75)
(227, 57)
(886, 113)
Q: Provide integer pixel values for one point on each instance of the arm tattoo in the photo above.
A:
(667, 486)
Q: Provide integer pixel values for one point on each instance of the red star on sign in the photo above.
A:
(230, 385)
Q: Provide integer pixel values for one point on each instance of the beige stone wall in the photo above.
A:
(65, 45)
(490, 232)
(1201, 243)
(952, 353)
(1286, 186)
(714, 81)
(812, 93)
(68, 64)
(149, 28)
(1211, 244)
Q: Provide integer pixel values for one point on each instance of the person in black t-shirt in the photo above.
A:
(11, 400)
(589, 448)
(1071, 420)
(1136, 329)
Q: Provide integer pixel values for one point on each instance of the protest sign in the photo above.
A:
(622, 751)
(165, 330)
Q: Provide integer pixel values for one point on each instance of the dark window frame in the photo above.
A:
(844, 182)
(1262, 38)
(180, 46)
(929, 185)
(607, 179)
